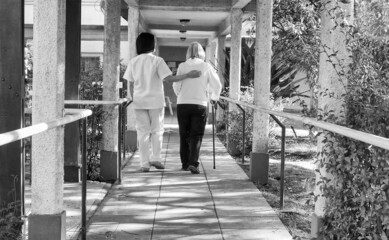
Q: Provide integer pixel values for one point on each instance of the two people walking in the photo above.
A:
(194, 80)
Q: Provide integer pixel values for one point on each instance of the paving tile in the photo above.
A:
(172, 204)
(256, 234)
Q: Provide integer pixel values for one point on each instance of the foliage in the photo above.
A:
(28, 53)
(91, 88)
(357, 191)
(295, 45)
(357, 184)
(296, 31)
(282, 74)
(235, 131)
(10, 221)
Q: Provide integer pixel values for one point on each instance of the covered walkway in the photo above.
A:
(219, 203)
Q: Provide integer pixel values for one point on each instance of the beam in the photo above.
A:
(188, 28)
(143, 26)
(178, 42)
(250, 7)
(187, 5)
(225, 26)
(239, 3)
(134, 3)
(177, 36)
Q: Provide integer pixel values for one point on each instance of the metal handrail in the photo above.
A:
(96, 102)
(347, 132)
(282, 160)
(123, 103)
(282, 150)
(73, 115)
(214, 107)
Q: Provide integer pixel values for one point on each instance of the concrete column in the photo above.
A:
(11, 98)
(259, 164)
(47, 218)
(333, 38)
(133, 32)
(213, 62)
(235, 68)
(111, 72)
(235, 53)
(213, 54)
(221, 66)
(221, 57)
(156, 47)
(208, 53)
(72, 80)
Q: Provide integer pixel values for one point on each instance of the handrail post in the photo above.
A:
(282, 167)
(282, 159)
(120, 144)
(124, 122)
(213, 133)
(83, 175)
(243, 132)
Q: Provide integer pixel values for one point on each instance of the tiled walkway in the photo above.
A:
(219, 203)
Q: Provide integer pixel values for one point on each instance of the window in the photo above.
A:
(88, 63)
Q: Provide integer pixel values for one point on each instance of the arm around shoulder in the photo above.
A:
(177, 78)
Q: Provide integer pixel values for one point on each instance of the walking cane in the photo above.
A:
(214, 106)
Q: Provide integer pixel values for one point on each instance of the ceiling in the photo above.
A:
(208, 18)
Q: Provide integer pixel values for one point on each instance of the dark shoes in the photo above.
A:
(157, 165)
(193, 169)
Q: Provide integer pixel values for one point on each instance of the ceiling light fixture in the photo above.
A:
(184, 22)
(183, 39)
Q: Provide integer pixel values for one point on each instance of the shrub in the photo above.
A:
(235, 120)
(357, 196)
(10, 221)
(91, 88)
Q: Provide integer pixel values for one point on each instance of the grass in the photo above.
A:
(300, 154)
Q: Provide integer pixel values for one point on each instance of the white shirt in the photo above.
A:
(147, 71)
(197, 90)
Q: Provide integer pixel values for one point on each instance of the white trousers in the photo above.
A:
(149, 128)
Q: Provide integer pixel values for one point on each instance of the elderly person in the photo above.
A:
(192, 99)
(148, 72)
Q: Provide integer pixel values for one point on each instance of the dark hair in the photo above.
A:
(145, 43)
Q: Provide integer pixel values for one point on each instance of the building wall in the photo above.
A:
(173, 56)
(91, 15)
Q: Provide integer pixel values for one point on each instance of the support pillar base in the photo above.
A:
(72, 174)
(316, 224)
(131, 140)
(109, 165)
(47, 227)
(259, 167)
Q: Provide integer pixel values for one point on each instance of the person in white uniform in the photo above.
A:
(148, 72)
(192, 99)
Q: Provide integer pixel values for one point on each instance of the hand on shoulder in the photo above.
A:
(194, 74)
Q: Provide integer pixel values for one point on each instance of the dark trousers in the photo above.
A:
(191, 121)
